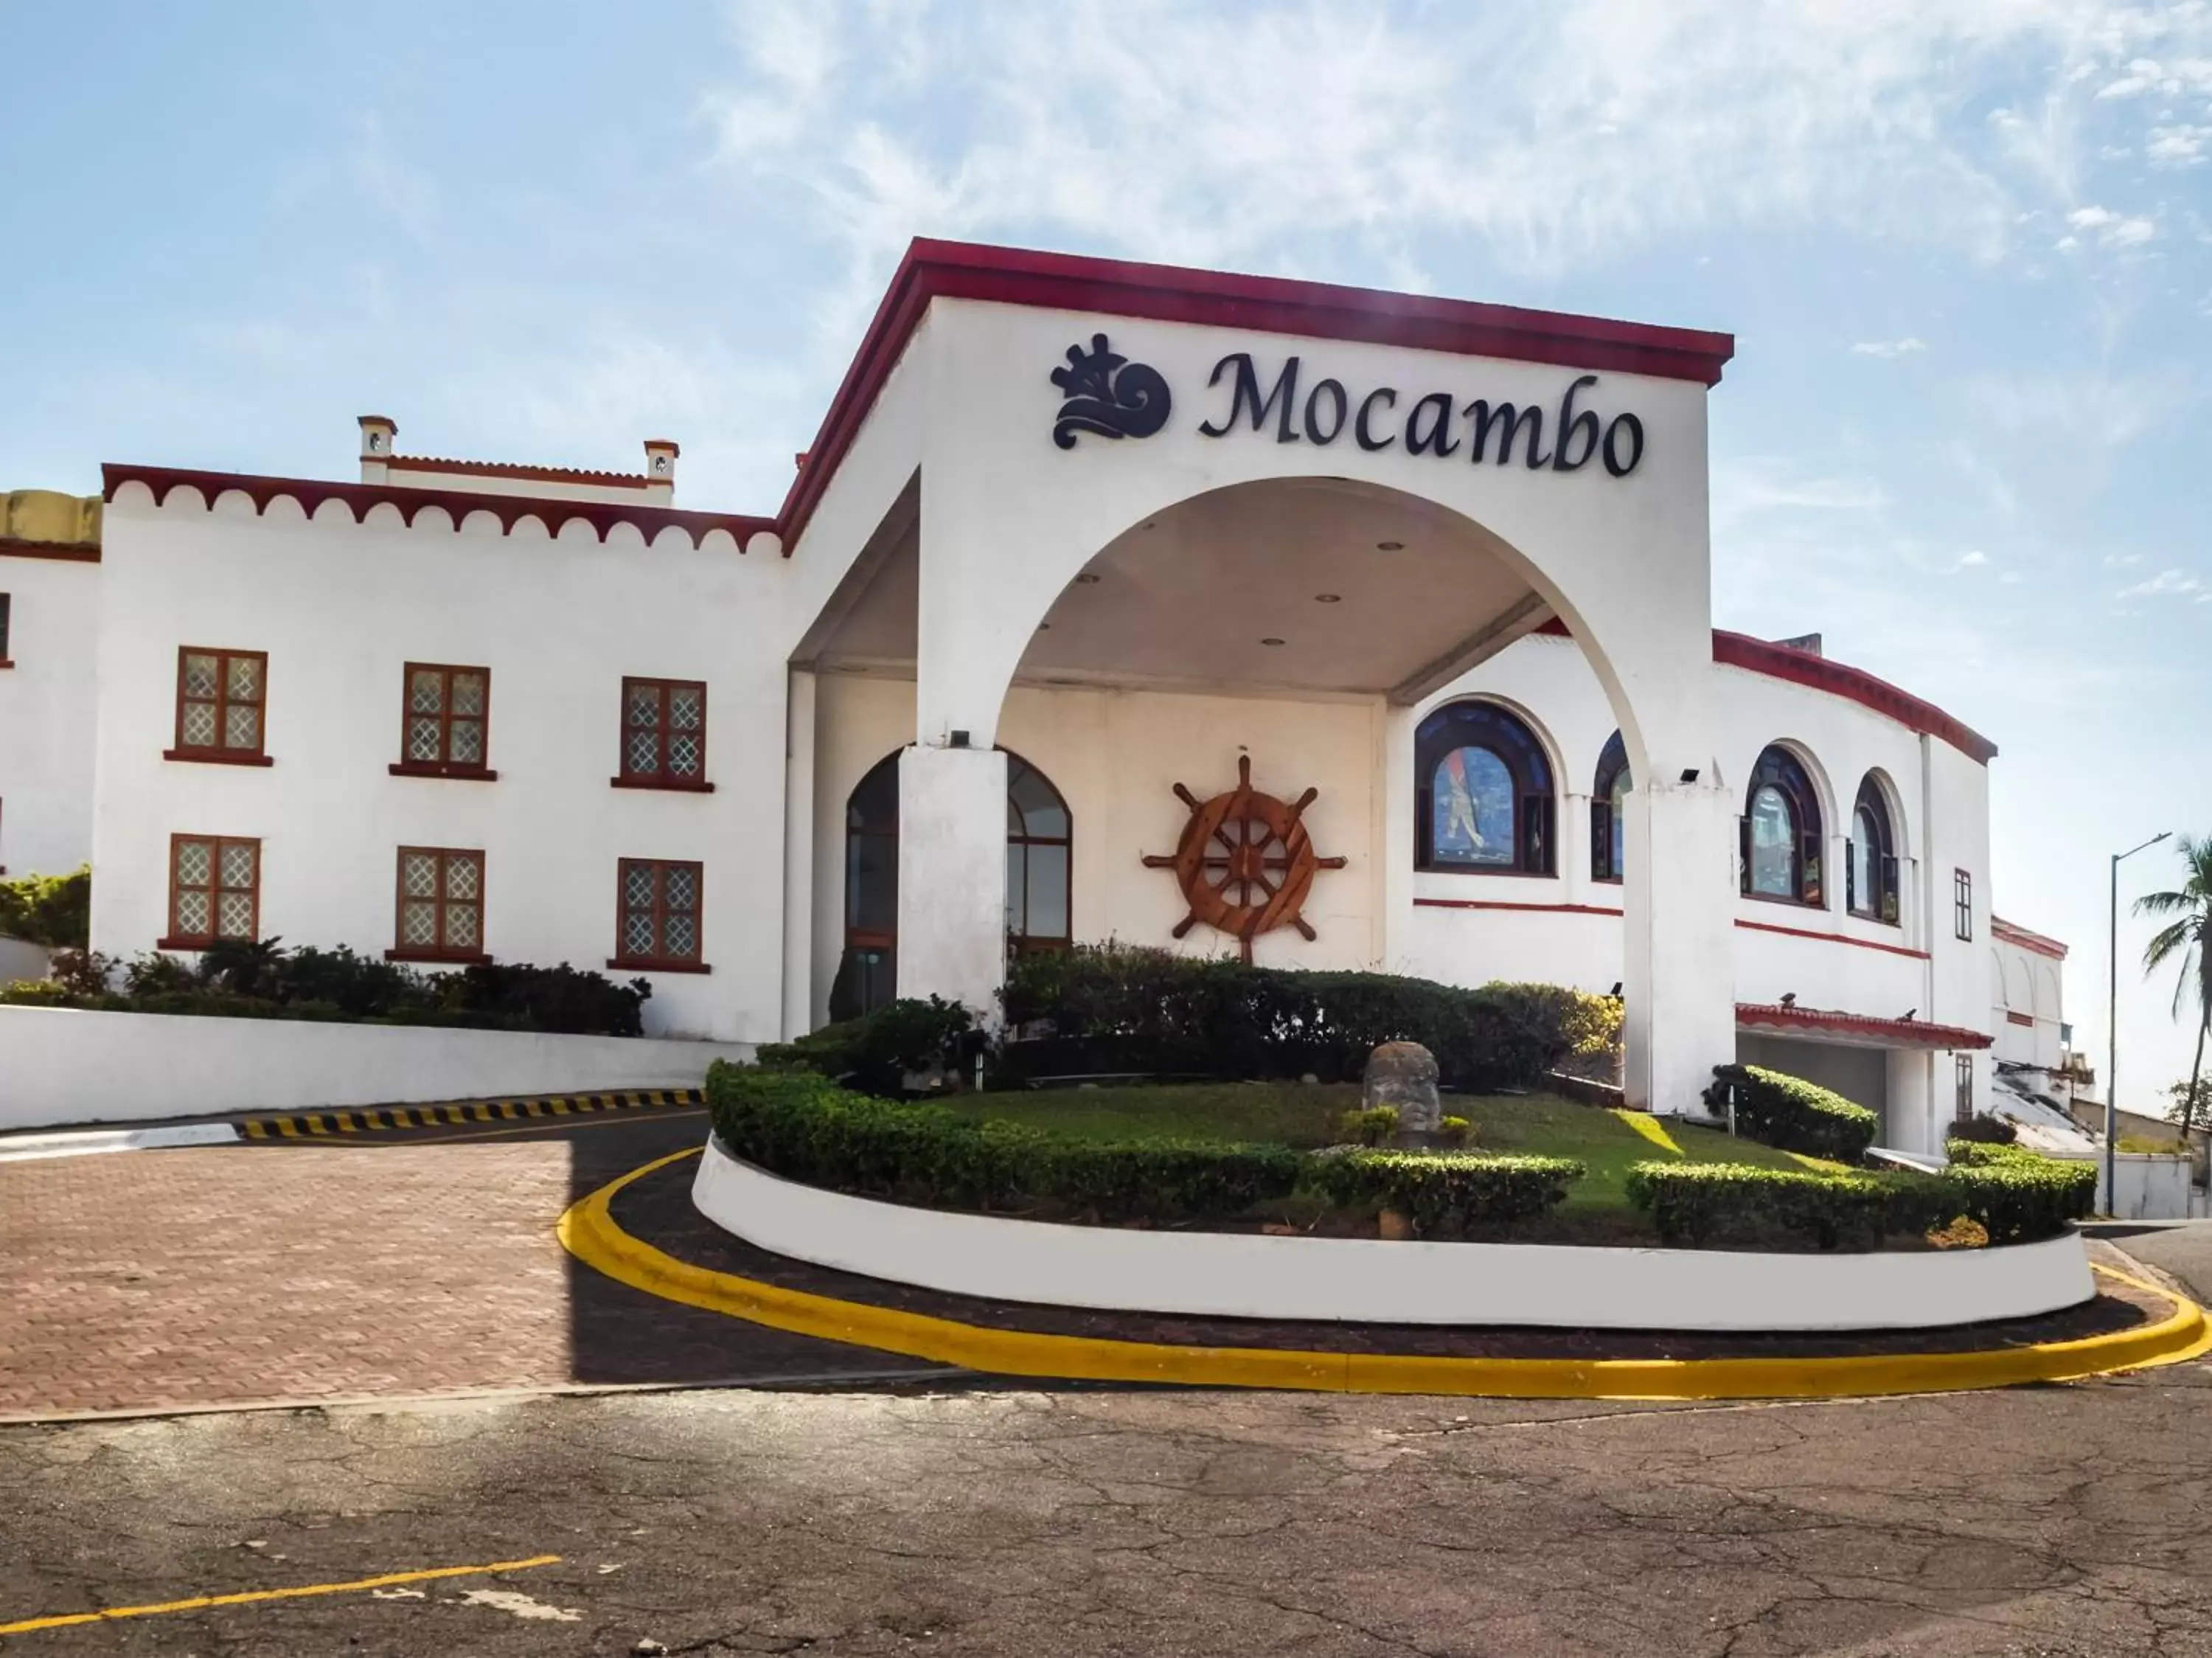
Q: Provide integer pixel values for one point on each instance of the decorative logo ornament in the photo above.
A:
(1107, 394)
(1245, 861)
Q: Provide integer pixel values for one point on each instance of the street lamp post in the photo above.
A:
(2113, 1032)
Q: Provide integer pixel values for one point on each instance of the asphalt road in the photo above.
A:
(2184, 1251)
(2061, 1521)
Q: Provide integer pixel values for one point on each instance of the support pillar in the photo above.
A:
(799, 744)
(952, 874)
(1678, 979)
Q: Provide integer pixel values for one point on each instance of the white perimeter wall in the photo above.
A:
(340, 608)
(47, 710)
(2027, 983)
(64, 1065)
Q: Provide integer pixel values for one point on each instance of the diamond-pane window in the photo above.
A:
(214, 890)
(221, 695)
(441, 915)
(657, 908)
(663, 733)
(443, 715)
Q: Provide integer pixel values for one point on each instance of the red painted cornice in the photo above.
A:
(1818, 672)
(1273, 305)
(2027, 940)
(1896, 1032)
(311, 493)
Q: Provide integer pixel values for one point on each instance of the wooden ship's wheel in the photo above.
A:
(1245, 861)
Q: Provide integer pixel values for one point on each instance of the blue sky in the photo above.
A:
(1965, 248)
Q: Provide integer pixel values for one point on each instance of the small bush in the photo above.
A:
(37, 993)
(1444, 1196)
(55, 911)
(82, 973)
(148, 974)
(2015, 1196)
(803, 1126)
(1985, 1130)
(877, 1051)
(1456, 1130)
(1371, 1126)
(1794, 1115)
(1698, 1204)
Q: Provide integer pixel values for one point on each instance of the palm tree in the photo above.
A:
(2188, 935)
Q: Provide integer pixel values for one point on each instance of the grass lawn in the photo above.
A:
(1305, 1115)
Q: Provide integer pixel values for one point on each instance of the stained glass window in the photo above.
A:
(1472, 798)
(1485, 792)
(1781, 831)
(1609, 815)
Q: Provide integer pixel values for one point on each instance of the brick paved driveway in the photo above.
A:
(154, 1280)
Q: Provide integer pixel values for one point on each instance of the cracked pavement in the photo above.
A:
(2056, 1521)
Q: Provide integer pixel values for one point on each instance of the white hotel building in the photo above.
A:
(1072, 533)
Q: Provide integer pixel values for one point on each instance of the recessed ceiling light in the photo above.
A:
(1389, 546)
(1271, 641)
(1328, 598)
(1087, 579)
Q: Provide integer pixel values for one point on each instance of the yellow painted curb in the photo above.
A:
(589, 1232)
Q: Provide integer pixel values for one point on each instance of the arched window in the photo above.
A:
(1039, 846)
(1037, 851)
(1781, 831)
(1870, 872)
(1608, 830)
(1483, 799)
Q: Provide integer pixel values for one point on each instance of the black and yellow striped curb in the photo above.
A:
(372, 1119)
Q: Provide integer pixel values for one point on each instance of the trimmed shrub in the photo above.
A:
(1698, 1204)
(803, 1126)
(1985, 1130)
(55, 911)
(1794, 1115)
(1369, 1127)
(37, 993)
(1457, 1131)
(877, 1050)
(1446, 1196)
(2016, 1196)
(1980, 1154)
(1120, 1011)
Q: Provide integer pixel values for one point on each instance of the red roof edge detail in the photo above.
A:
(1819, 673)
(427, 463)
(509, 510)
(2014, 934)
(1837, 679)
(1903, 1032)
(1168, 293)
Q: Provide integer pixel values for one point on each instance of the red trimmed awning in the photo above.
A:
(1856, 1029)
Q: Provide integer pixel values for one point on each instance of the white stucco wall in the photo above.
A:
(65, 1065)
(48, 708)
(2026, 985)
(339, 608)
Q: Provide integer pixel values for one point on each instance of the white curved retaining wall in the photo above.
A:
(75, 1065)
(1219, 1274)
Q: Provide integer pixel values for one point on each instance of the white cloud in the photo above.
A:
(1889, 348)
(2113, 230)
(1976, 560)
(2178, 145)
(2169, 584)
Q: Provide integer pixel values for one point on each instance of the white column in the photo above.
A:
(1679, 976)
(1392, 822)
(799, 743)
(1912, 1116)
(952, 874)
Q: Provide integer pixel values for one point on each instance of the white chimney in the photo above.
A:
(661, 468)
(377, 436)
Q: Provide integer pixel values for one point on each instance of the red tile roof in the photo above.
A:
(1888, 1032)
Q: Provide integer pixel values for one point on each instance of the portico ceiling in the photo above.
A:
(1307, 586)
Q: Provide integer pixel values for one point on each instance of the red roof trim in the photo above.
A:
(1903, 1032)
(1819, 673)
(1832, 938)
(1837, 679)
(424, 463)
(1275, 304)
(2037, 942)
(1501, 904)
(75, 553)
(510, 510)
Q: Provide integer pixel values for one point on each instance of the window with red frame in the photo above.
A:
(656, 923)
(445, 721)
(222, 701)
(214, 890)
(664, 740)
(440, 905)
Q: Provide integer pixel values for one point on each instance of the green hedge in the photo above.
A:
(2016, 1197)
(1794, 1115)
(1985, 1130)
(806, 1128)
(1698, 1204)
(1444, 1197)
(238, 979)
(55, 911)
(1112, 1009)
(876, 1051)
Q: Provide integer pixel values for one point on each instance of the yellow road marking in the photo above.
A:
(588, 1231)
(201, 1602)
(1649, 1126)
